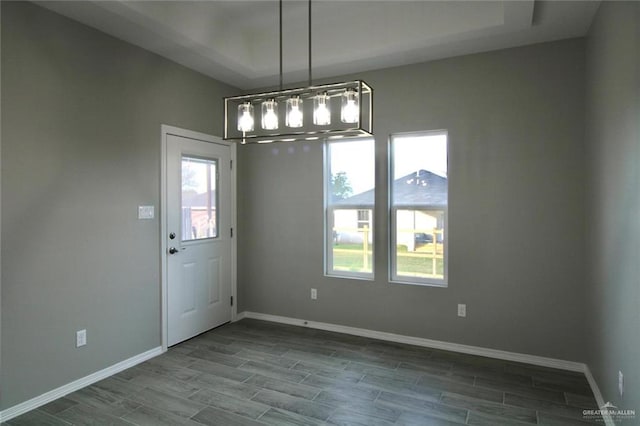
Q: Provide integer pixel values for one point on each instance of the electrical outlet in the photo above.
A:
(314, 294)
(462, 310)
(620, 383)
(81, 338)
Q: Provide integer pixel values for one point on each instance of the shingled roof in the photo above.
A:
(421, 188)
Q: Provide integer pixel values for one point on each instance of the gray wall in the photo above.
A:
(517, 206)
(613, 129)
(81, 115)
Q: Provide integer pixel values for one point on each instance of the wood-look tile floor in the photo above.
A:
(256, 373)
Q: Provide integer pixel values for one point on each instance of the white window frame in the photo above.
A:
(394, 278)
(329, 209)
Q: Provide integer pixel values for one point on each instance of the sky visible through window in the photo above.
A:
(355, 158)
(424, 152)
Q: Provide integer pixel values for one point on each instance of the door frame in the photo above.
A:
(167, 130)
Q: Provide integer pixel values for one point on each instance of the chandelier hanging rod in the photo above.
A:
(280, 13)
(334, 110)
(309, 42)
(309, 11)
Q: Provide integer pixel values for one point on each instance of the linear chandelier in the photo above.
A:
(331, 111)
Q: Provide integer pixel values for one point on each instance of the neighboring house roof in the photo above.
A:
(421, 188)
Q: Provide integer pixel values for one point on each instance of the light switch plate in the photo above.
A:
(146, 212)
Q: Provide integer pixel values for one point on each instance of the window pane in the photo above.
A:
(419, 198)
(420, 243)
(199, 198)
(352, 248)
(364, 219)
(350, 197)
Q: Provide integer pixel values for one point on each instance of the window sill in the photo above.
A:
(425, 283)
(354, 276)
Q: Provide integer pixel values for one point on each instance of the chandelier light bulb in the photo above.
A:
(350, 112)
(294, 117)
(321, 111)
(326, 111)
(270, 114)
(350, 103)
(245, 117)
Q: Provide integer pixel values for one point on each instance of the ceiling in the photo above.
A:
(237, 41)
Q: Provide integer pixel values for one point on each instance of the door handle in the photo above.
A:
(173, 250)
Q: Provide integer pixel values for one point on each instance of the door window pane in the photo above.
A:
(199, 198)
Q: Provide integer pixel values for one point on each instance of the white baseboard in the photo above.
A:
(447, 346)
(54, 394)
(437, 344)
(418, 341)
(391, 337)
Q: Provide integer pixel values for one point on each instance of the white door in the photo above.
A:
(198, 237)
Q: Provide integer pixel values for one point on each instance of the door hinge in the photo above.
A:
(231, 232)
(231, 164)
(231, 300)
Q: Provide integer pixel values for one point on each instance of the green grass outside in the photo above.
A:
(349, 257)
(419, 266)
